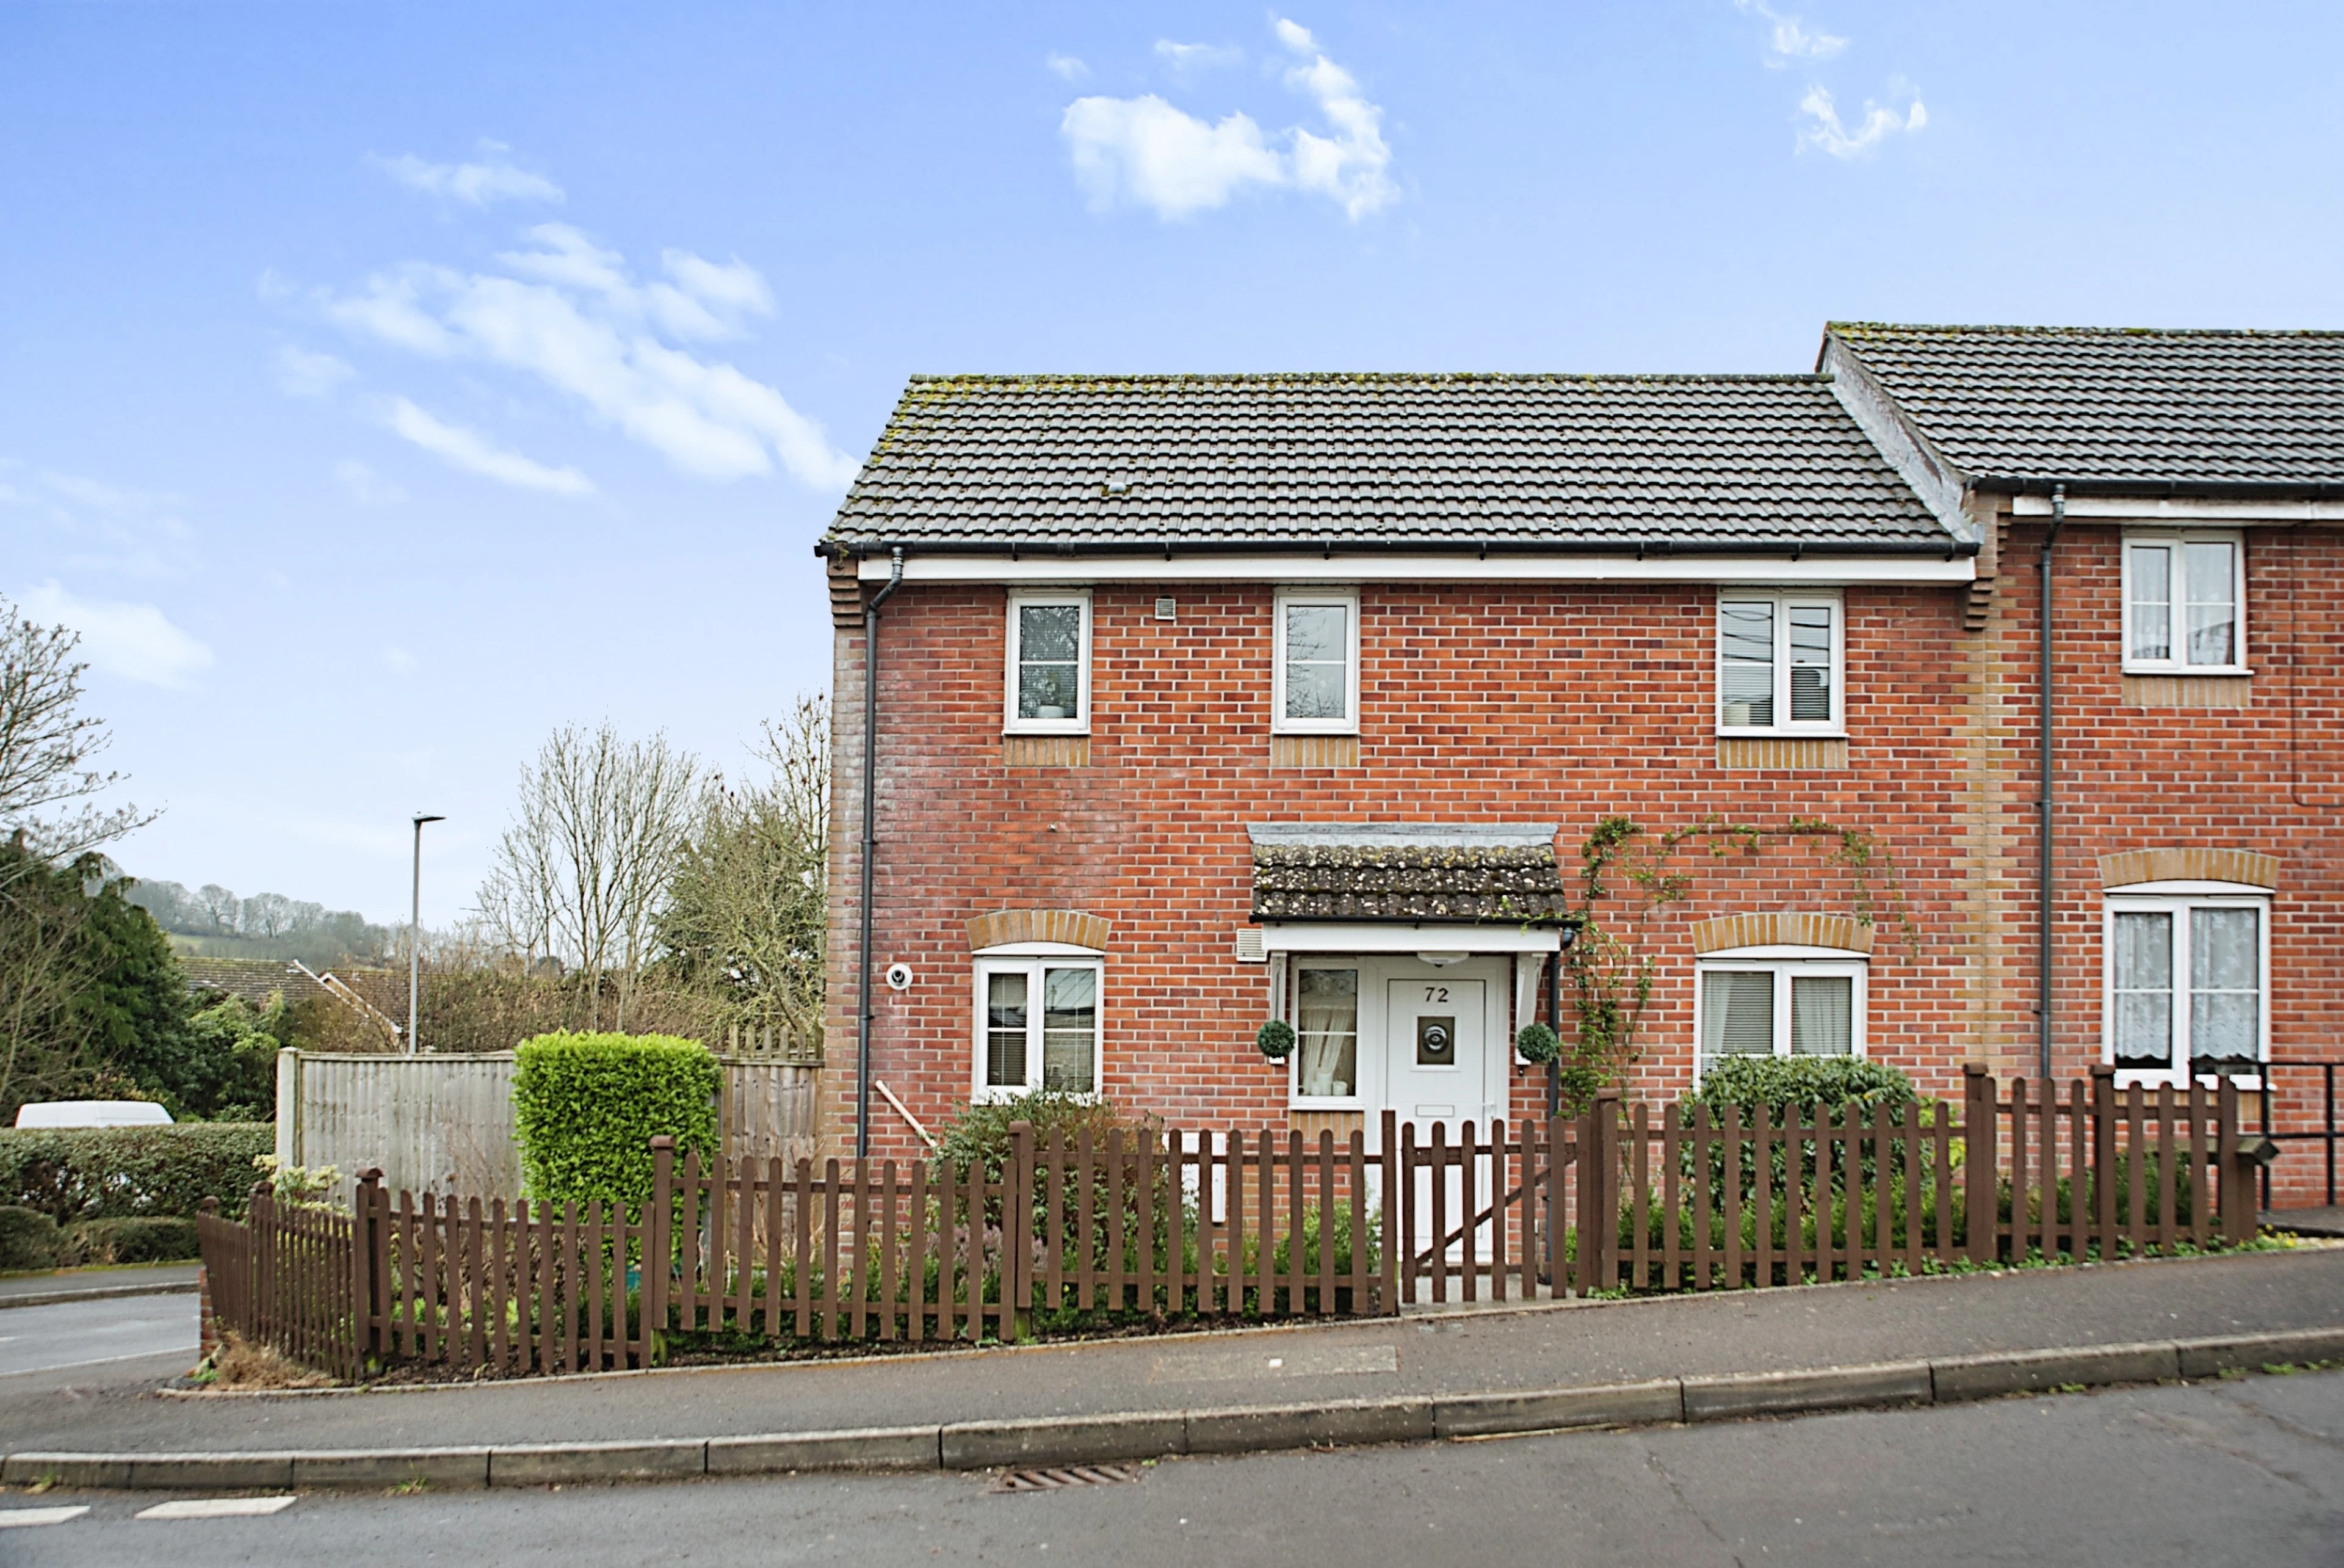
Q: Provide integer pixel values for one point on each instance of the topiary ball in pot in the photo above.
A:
(1275, 1039)
(1538, 1044)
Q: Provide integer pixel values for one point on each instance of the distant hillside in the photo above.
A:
(214, 922)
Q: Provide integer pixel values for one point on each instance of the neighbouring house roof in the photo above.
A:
(2113, 409)
(1086, 464)
(1349, 871)
(253, 979)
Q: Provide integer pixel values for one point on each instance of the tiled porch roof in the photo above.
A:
(1503, 874)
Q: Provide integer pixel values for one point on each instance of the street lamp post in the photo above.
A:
(415, 932)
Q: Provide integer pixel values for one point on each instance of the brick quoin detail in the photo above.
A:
(1842, 932)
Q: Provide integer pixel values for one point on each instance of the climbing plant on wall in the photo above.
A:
(1627, 875)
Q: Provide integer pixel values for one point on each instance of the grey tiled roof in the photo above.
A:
(2108, 405)
(1315, 871)
(1352, 461)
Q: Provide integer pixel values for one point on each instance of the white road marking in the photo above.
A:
(18, 1518)
(216, 1507)
(93, 1362)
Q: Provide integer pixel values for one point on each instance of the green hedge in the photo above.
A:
(1780, 1082)
(31, 1239)
(78, 1174)
(586, 1107)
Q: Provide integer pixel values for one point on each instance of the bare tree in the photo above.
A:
(744, 919)
(48, 789)
(267, 915)
(581, 872)
(219, 906)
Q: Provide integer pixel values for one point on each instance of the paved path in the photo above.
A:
(113, 1409)
(2308, 1221)
(94, 1283)
(106, 1332)
(2249, 1472)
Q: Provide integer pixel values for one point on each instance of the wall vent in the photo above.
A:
(1249, 946)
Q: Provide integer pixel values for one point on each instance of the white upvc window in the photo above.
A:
(2187, 982)
(1047, 686)
(1316, 664)
(1777, 1002)
(1779, 662)
(1038, 1022)
(1326, 1062)
(2185, 601)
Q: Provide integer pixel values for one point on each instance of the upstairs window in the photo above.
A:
(1779, 657)
(1049, 676)
(2184, 603)
(1318, 665)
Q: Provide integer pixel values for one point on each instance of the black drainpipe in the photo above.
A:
(2042, 805)
(870, 849)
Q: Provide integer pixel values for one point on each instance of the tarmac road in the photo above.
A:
(103, 1332)
(2249, 1472)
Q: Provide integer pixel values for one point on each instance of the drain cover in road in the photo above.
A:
(1072, 1475)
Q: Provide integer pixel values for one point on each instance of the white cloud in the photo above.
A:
(468, 450)
(365, 486)
(1067, 66)
(494, 178)
(1147, 152)
(1184, 58)
(570, 314)
(108, 528)
(136, 642)
(1790, 39)
(303, 374)
(1824, 130)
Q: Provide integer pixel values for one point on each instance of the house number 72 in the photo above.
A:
(1435, 992)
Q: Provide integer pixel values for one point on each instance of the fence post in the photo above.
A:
(369, 1248)
(1605, 1196)
(1390, 1176)
(659, 1243)
(2104, 1157)
(206, 1323)
(1979, 1199)
(1017, 1235)
(2237, 1172)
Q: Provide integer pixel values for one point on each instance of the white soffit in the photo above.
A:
(2184, 509)
(1440, 568)
(1432, 936)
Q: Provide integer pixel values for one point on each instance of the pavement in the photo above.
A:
(2325, 1222)
(96, 1284)
(1364, 1380)
(2247, 1471)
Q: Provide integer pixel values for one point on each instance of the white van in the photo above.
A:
(92, 1113)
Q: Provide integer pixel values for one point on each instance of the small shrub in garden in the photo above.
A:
(587, 1106)
(1779, 1082)
(136, 1241)
(73, 1174)
(981, 1132)
(28, 1239)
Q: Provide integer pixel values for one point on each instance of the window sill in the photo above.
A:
(1750, 732)
(1069, 728)
(992, 1095)
(1353, 1106)
(1315, 731)
(2158, 1077)
(2190, 670)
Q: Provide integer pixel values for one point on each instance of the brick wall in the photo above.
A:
(2266, 776)
(1549, 703)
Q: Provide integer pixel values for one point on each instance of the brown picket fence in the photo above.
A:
(1101, 1231)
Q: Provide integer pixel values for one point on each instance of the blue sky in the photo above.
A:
(382, 386)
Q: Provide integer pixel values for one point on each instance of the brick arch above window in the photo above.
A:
(1003, 927)
(2244, 866)
(1727, 932)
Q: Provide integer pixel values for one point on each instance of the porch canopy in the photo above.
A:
(1403, 886)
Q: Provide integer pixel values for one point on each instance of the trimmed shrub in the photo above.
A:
(78, 1174)
(136, 1242)
(980, 1133)
(28, 1239)
(586, 1107)
(1778, 1082)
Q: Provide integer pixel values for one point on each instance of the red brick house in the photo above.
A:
(1206, 700)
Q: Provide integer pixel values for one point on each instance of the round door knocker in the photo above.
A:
(1436, 1042)
(899, 977)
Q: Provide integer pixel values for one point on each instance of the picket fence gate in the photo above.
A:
(1098, 1229)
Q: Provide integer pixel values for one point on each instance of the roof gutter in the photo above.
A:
(1942, 548)
(2163, 489)
(870, 853)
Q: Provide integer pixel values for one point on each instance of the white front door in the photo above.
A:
(1436, 1052)
(1436, 1060)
